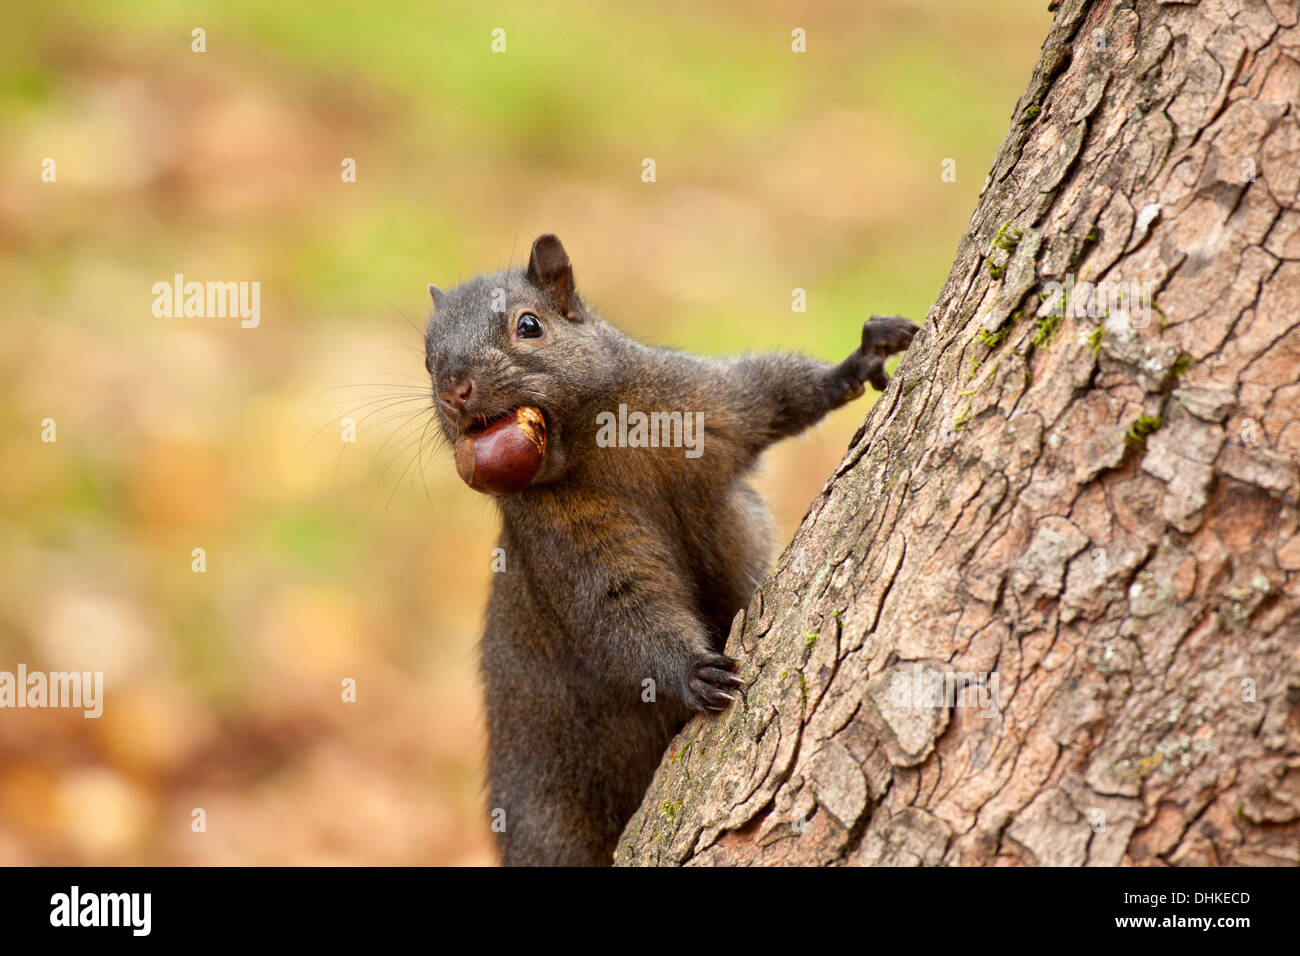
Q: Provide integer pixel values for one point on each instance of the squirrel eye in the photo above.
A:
(528, 327)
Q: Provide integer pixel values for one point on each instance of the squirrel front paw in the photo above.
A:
(710, 680)
(882, 336)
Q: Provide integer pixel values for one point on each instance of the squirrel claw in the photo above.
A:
(720, 661)
(719, 678)
(714, 676)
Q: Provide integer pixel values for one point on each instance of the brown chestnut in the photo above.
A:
(503, 457)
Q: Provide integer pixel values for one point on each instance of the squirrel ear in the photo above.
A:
(438, 296)
(550, 270)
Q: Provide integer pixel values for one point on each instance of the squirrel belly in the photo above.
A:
(574, 745)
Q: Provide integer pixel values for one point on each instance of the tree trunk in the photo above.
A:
(1089, 516)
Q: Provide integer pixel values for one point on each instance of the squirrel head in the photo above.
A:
(520, 338)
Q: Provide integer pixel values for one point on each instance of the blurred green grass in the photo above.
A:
(776, 171)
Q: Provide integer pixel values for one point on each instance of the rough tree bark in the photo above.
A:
(1099, 517)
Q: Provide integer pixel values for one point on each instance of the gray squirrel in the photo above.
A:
(626, 558)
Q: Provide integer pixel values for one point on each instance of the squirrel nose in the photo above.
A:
(457, 393)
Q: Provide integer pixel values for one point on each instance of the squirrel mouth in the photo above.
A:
(502, 455)
(483, 424)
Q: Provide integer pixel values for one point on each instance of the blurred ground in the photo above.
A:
(371, 561)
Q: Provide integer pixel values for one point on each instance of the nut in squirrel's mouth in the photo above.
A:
(501, 454)
(482, 425)
(529, 417)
